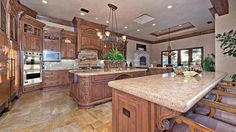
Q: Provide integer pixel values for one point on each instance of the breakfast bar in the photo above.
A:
(147, 103)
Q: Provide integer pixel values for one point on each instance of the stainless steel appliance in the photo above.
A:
(51, 56)
(32, 69)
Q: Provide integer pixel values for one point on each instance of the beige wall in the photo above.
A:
(206, 41)
(225, 23)
(131, 49)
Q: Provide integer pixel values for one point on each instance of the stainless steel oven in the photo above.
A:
(51, 55)
(32, 68)
(32, 77)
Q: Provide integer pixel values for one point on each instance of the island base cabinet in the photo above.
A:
(133, 114)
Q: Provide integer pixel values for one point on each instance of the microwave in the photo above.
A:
(51, 56)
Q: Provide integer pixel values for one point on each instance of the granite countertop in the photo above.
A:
(94, 72)
(160, 67)
(174, 92)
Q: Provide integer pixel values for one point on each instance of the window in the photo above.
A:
(184, 57)
(197, 56)
(165, 59)
(174, 59)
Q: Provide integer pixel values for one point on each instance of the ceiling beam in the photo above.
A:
(221, 6)
(185, 36)
(55, 20)
(213, 11)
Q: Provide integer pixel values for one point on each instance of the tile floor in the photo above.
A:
(53, 110)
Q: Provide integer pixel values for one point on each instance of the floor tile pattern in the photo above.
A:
(53, 110)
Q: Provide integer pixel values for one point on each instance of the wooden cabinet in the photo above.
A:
(52, 39)
(87, 34)
(159, 70)
(68, 45)
(31, 34)
(88, 91)
(130, 113)
(52, 78)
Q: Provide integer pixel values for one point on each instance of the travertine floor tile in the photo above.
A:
(55, 111)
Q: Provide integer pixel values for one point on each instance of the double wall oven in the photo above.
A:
(32, 68)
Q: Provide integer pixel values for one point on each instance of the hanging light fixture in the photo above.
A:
(169, 50)
(111, 36)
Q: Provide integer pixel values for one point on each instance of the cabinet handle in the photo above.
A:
(126, 112)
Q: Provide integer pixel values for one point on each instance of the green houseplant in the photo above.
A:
(228, 42)
(114, 59)
(114, 54)
(209, 63)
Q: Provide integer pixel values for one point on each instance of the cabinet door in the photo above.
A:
(129, 113)
(50, 78)
(98, 91)
(26, 42)
(53, 45)
(36, 44)
(64, 51)
(71, 51)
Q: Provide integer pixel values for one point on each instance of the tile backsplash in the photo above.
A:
(63, 64)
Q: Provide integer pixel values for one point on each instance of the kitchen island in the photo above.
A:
(90, 87)
(147, 103)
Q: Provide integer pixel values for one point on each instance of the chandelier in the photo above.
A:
(169, 50)
(111, 35)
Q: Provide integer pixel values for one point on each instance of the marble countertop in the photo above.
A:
(174, 92)
(94, 72)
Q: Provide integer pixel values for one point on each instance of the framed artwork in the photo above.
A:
(141, 47)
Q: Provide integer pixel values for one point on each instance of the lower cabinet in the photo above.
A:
(91, 90)
(131, 113)
(52, 78)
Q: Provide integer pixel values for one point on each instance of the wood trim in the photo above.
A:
(185, 36)
(174, 31)
(213, 11)
(25, 9)
(221, 6)
(55, 20)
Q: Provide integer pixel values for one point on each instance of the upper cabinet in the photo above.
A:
(68, 45)
(87, 34)
(31, 34)
(52, 39)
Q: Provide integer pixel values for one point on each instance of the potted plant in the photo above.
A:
(228, 42)
(209, 63)
(114, 59)
(233, 77)
(228, 45)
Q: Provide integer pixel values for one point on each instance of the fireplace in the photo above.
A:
(141, 59)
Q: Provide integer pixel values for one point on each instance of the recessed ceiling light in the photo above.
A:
(96, 18)
(126, 27)
(44, 1)
(180, 25)
(153, 24)
(82, 14)
(138, 30)
(107, 21)
(169, 7)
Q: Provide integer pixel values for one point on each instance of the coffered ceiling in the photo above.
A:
(195, 12)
